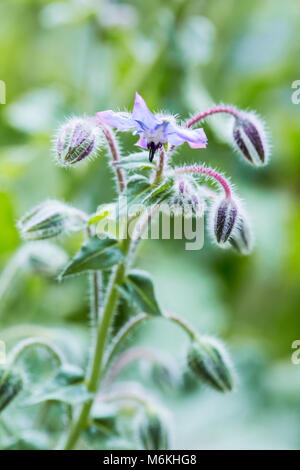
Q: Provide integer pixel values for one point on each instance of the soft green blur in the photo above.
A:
(67, 58)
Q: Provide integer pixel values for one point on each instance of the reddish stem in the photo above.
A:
(209, 172)
(210, 112)
(111, 141)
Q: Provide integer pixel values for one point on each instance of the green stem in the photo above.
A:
(95, 369)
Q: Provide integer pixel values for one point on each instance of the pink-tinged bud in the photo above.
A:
(78, 139)
(242, 239)
(250, 139)
(186, 198)
(224, 214)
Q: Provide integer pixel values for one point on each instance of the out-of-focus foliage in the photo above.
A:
(63, 58)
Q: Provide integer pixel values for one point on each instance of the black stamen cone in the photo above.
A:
(152, 150)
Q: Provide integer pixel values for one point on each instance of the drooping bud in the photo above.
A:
(78, 139)
(224, 214)
(242, 239)
(49, 219)
(11, 384)
(209, 361)
(152, 431)
(186, 198)
(250, 139)
(44, 258)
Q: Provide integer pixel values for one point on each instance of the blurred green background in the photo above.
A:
(67, 58)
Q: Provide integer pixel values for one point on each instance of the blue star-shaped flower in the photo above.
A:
(154, 129)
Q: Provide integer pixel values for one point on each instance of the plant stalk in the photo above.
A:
(96, 365)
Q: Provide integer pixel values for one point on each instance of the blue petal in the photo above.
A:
(121, 121)
(196, 138)
(142, 113)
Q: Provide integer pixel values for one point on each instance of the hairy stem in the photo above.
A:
(115, 154)
(22, 346)
(96, 365)
(209, 112)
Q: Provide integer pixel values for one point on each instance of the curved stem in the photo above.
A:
(11, 270)
(125, 396)
(207, 171)
(160, 165)
(209, 112)
(191, 332)
(22, 346)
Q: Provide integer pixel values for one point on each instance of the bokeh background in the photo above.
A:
(65, 58)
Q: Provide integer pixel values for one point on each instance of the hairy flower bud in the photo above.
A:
(77, 139)
(224, 214)
(209, 361)
(250, 139)
(49, 219)
(242, 239)
(152, 431)
(186, 199)
(11, 384)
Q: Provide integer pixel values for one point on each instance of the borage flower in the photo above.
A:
(154, 129)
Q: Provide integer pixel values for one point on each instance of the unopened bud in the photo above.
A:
(165, 375)
(152, 431)
(210, 363)
(44, 258)
(242, 239)
(224, 215)
(10, 385)
(250, 139)
(49, 219)
(78, 139)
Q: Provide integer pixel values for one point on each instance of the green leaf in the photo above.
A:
(73, 395)
(104, 211)
(104, 416)
(138, 287)
(95, 254)
(138, 160)
(140, 191)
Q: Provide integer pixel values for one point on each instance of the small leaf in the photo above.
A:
(139, 160)
(95, 254)
(105, 210)
(138, 287)
(73, 395)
